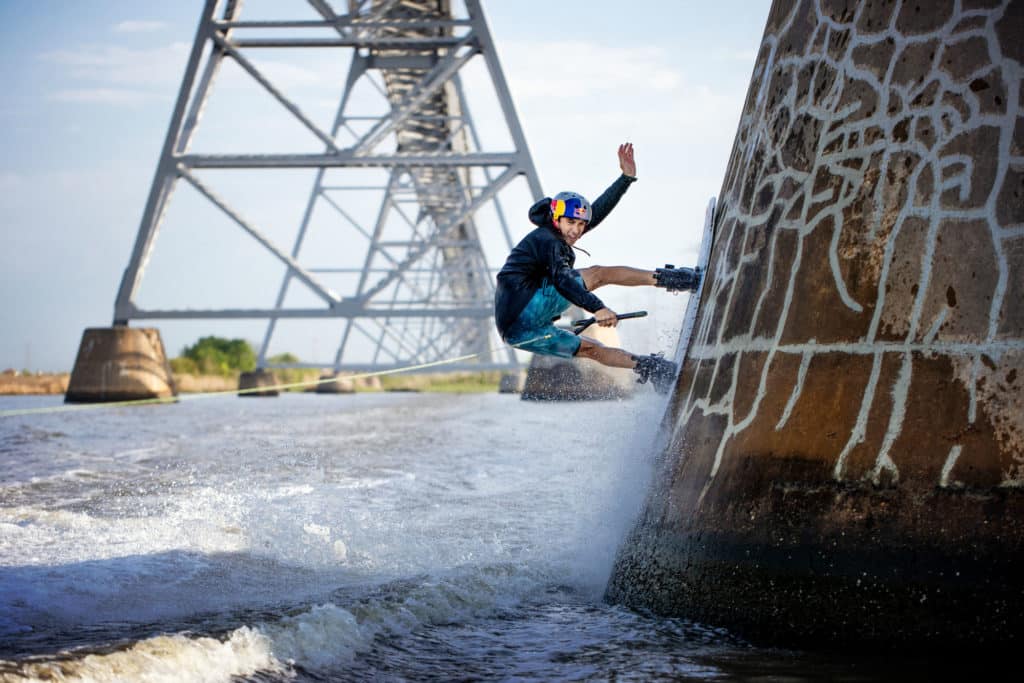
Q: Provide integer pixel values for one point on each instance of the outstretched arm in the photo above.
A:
(604, 204)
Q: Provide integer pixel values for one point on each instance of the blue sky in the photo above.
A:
(88, 91)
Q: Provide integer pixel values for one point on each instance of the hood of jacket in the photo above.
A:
(540, 213)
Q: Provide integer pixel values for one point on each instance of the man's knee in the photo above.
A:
(588, 347)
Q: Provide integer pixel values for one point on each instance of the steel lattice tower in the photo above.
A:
(422, 287)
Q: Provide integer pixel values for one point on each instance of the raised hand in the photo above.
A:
(626, 161)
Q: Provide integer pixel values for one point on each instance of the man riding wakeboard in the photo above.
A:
(538, 282)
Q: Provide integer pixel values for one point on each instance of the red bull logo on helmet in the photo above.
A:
(557, 209)
(570, 205)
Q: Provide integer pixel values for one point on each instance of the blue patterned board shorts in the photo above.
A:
(537, 319)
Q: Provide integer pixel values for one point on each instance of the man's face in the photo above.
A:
(571, 228)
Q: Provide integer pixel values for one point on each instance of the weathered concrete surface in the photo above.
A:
(120, 364)
(578, 379)
(335, 383)
(845, 444)
(250, 383)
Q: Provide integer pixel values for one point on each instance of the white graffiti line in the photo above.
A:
(769, 281)
(925, 275)
(949, 214)
(888, 254)
(1005, 143)
(960, 179)
(837, 274)
(947, 467)
(769, 65)
(929, 337)
(1012, 233)
(860, 428)
(947, 347)
(798, 388)
(972, 407)
(900, 391)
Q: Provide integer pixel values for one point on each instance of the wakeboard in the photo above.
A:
(703, 255)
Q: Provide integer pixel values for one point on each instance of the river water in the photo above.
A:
(392, 536)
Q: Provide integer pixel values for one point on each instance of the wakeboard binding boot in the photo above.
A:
(677, 279)
(656, 368)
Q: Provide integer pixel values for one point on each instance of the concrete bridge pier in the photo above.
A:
(578, 379)
(339, 384)
(843, 460)
(120, 364)
(250, 383)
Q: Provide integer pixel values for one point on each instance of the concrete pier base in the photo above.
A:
(577, 379)
(339, 384)
(371, 383)
(120, 364)
(574, 379)
(248, 382)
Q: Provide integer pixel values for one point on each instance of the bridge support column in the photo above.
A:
(248, 381)
(120, 364)
(578, 379)
(842, 463)
(340, 385)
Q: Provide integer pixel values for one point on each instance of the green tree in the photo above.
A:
(219, 356)
(292, 375)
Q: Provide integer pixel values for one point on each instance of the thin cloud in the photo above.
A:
(99, 67)
(11, 183)
(139, 26)
(585, 69)
(115, 65)
(116, 96)
(285, 75)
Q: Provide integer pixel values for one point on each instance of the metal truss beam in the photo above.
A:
(424, 283)
(344, 309)
(343, 159)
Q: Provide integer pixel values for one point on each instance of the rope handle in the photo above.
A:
(580, 325)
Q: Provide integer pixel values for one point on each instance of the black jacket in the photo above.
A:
(544, 254)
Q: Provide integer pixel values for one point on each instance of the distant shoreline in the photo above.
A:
(22, 384)
(52, 383)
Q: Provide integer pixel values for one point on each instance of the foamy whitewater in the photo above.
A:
(352, 537)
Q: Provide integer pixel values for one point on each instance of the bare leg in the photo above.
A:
(605, 355)
(655, 368)
(598, 276)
